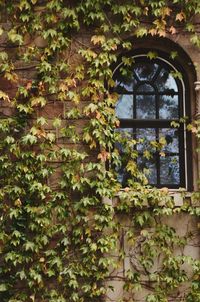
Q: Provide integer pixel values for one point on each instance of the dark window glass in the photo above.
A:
(148, 102)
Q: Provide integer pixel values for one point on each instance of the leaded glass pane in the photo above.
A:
(145, 137)
(145, 88)
(145, 71)
(166, 82)
(169, 170)
(124, 107)
(172, 139)
(168, 107)
(127, 85)
(145, 107)
(149, 168)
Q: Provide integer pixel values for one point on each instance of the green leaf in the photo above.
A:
(3, 287)
(152, 55)
(29, 246)
(15, 37)
(38, 101)
(56, 122)
(141, 32)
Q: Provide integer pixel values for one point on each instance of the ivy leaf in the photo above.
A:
(29, 139)
(172, 30)
(98, 39)
(173, 54)
(15, 37)
(195, 39)
(180, 16)
(152, 55)
(41, 121)
(3, 56)
(56, 122)
(51, 136)
(4, 96)
(176, 75)
(141, 32)
(22, 275)
(3, 287)
(29, 246)
(38, 101)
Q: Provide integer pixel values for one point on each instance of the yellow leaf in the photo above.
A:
(18, 203)
(104, 155)
(63, 87)
(4, 96)
(166, 11)
(38, 101)
(164, 190)
(91, 53)
(98, 39)
(162, 33)
(153, 31)
(162, 154)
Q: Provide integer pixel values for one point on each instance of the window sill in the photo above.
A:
(180, 197)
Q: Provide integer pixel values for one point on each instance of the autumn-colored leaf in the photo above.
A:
(117, 123)
(180, 16)
(98, 115)
(104, 155)
(153, 31)
(162, 154)
(172, 30)
(164, 190)
(162, 33)
(18, 203)
(63, 87)
(29, 85)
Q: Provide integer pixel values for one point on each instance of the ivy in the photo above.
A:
(62, 209)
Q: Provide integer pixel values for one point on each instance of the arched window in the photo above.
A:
(152, 99)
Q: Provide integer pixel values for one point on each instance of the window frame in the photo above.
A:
(185, 153)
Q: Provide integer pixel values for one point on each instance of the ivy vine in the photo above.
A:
(58, 227)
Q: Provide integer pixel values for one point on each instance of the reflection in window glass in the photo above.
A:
(169, 170)
(145, 107)
(149, 169)
(146, 136)
(145, 71)
(124, 107)
(145, 88)
(165, 82)
(168, 108)
(172, 140)
(126, 85)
